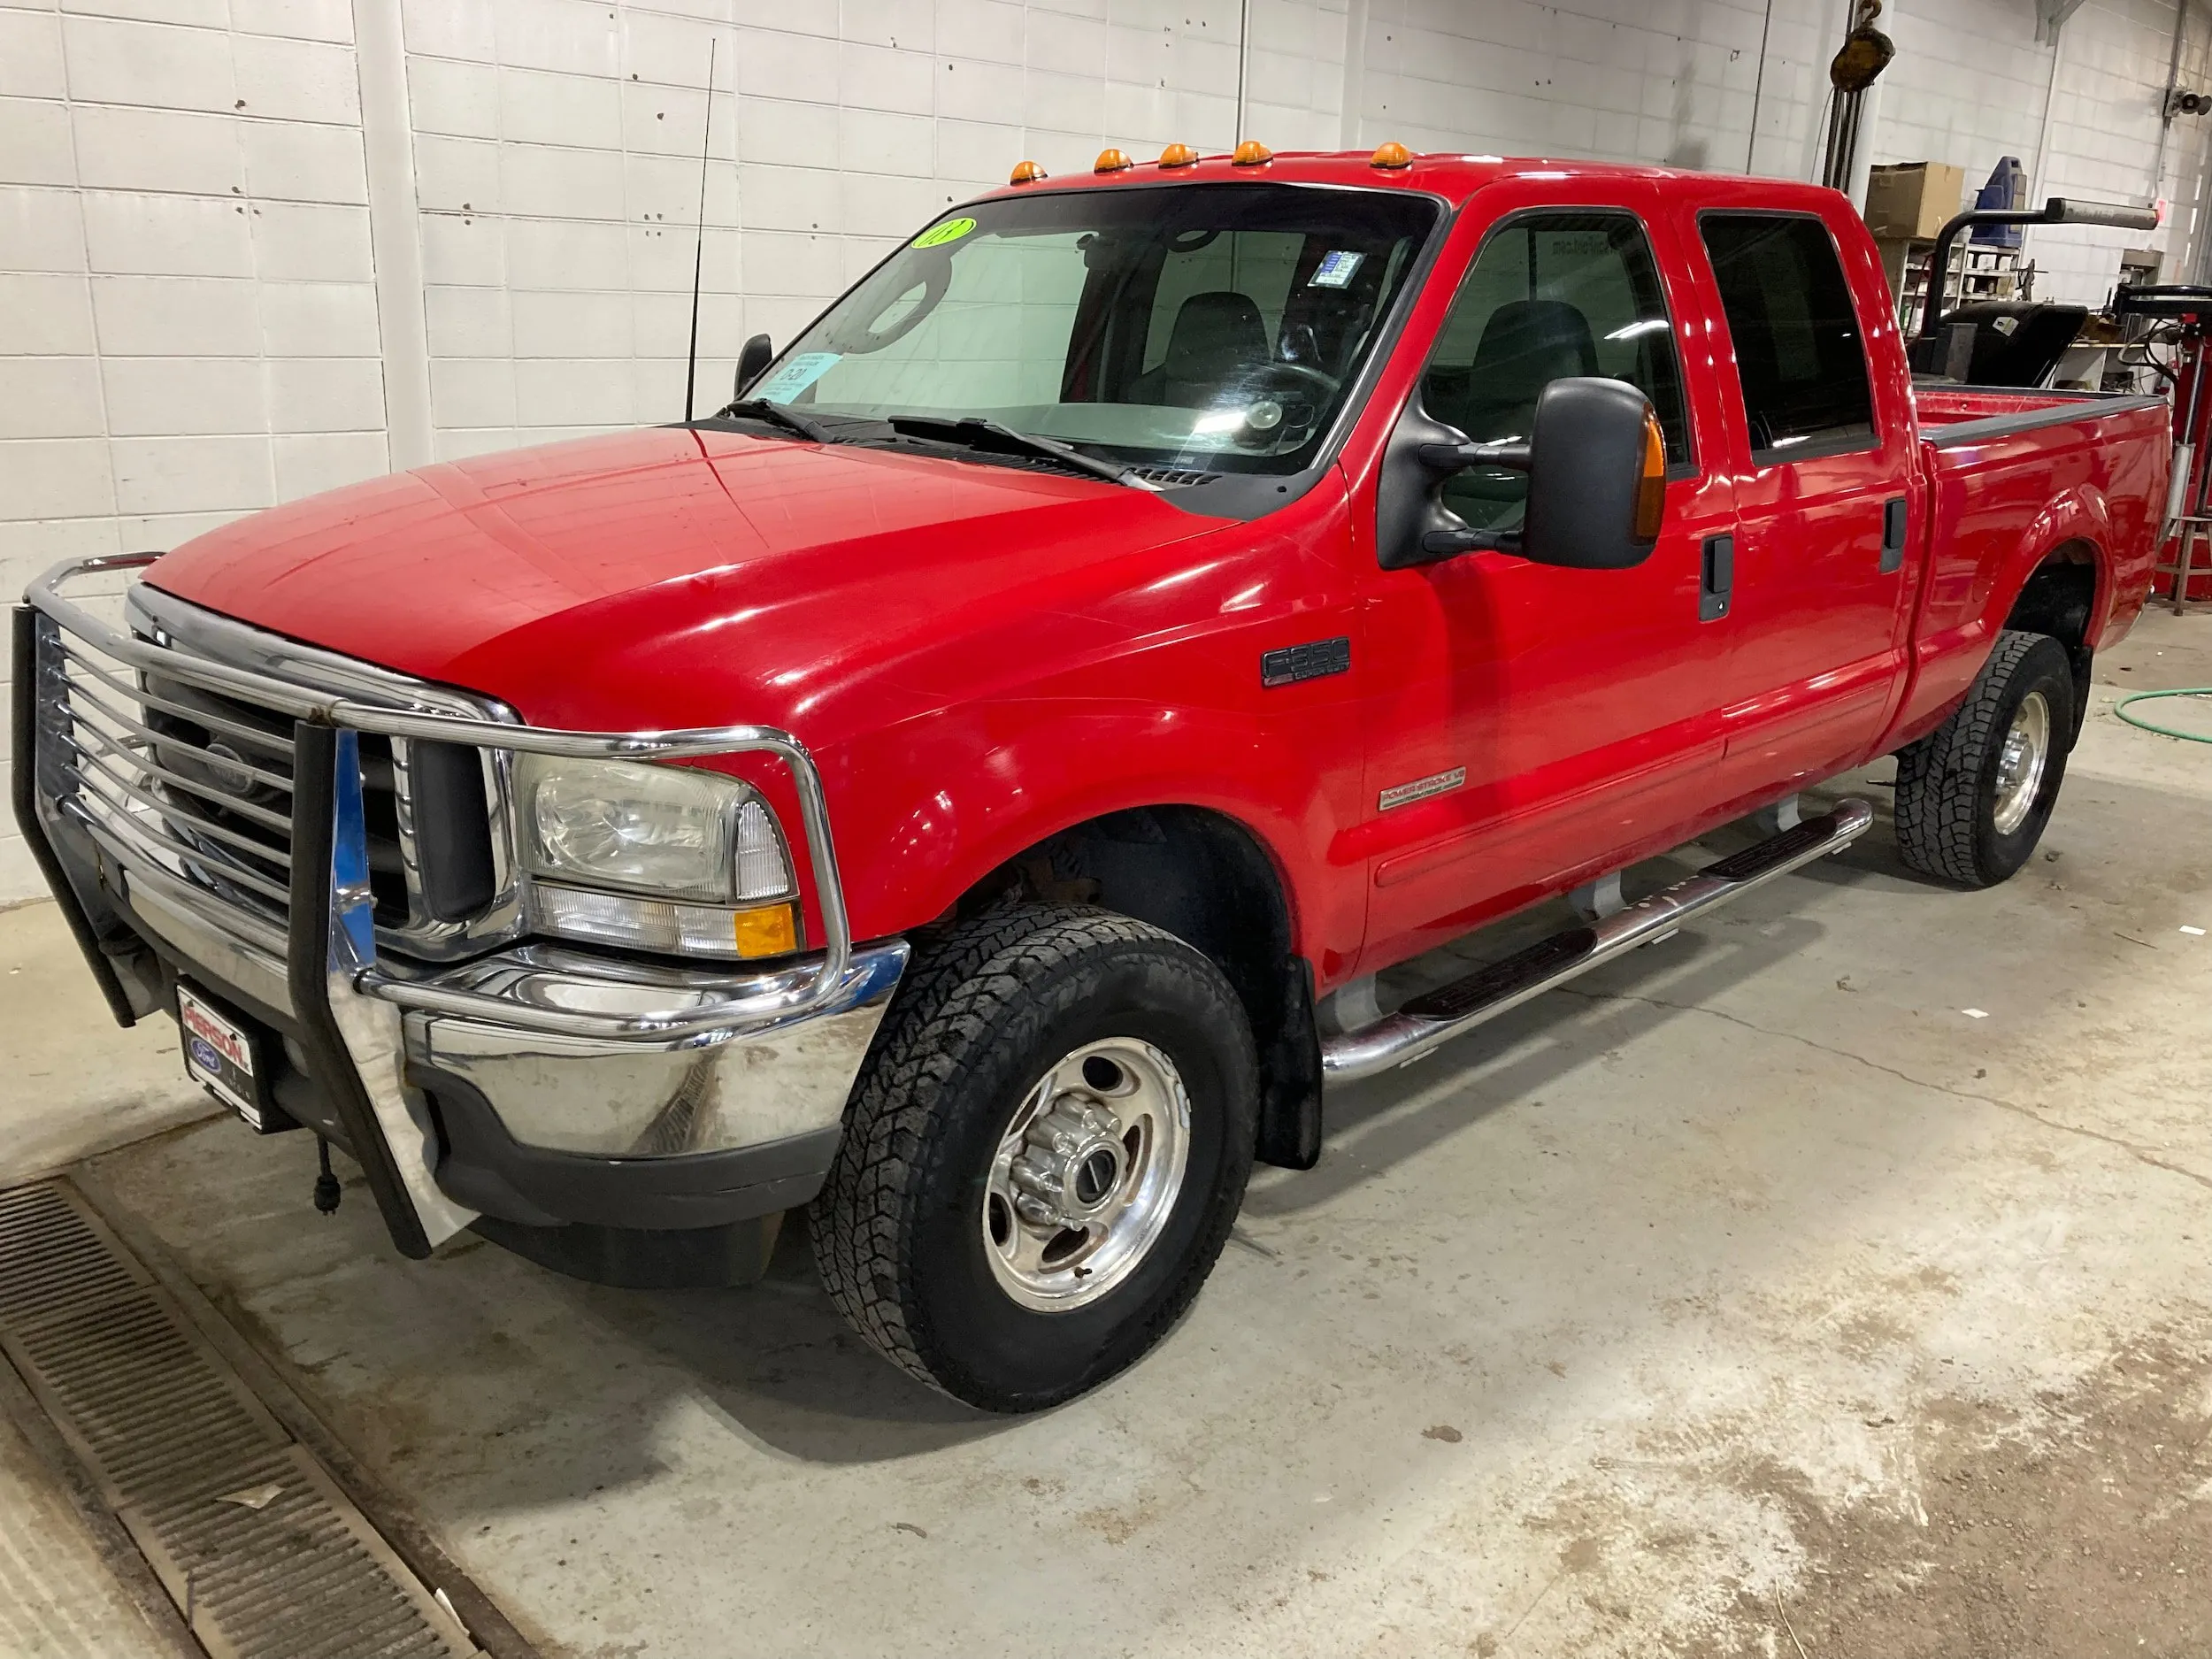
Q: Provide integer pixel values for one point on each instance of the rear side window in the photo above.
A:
(1797, 340)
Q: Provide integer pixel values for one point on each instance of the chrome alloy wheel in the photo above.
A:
(2020, 766)
(1087, 1175)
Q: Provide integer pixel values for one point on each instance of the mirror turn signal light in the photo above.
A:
(1651, 488)
(1251, 153)
(1392, 156)
(1027, 173)
(768, 930)
(1178, 156)
(1111, 161)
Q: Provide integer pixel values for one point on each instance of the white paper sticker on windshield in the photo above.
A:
(1335, 269)
(795, 376)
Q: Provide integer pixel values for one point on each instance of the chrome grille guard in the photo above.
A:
(317, 708)
(335, 976)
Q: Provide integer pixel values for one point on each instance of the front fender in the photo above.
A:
(929, 809)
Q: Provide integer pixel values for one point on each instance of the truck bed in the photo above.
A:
(2014, 473)
(1945, 405)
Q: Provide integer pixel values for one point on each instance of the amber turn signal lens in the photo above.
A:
(1178, 156)
(1392, 155)
(1651, 488)
(1027, 173)
(770, 930)
(1251, 153)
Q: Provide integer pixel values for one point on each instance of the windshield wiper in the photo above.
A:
(777, 415)
(979, 433)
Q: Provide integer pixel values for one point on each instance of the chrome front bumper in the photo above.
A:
(539, 1084)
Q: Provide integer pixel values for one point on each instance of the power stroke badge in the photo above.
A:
(1420, 789)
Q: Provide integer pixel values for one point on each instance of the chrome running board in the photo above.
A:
(1439, 1015)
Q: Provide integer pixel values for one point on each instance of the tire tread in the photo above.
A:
(962, 988)
(1940, 776)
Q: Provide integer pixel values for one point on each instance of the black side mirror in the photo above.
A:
(1597, 477)
(1597, 482)
(753, 361)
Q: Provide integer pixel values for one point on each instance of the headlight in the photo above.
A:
(674, 832)
(702, 852)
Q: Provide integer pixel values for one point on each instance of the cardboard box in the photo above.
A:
(1912, 200)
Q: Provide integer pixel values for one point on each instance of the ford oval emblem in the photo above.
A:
(227, 768)
(205, 1057)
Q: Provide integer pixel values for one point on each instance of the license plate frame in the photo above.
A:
(225, 1055)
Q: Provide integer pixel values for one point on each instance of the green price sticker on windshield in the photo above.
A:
(938, 235)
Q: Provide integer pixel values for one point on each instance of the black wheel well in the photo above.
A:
(1206, 879)
(2059, 598)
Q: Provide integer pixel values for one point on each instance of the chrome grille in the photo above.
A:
(179, 765)
(195, 782)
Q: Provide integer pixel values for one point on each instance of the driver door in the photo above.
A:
(1533, 725)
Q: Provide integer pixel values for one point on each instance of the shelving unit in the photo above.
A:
(1978, 272)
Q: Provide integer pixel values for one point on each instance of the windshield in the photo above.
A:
(1212, 327)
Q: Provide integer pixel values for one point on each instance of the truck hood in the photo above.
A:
(672, 577)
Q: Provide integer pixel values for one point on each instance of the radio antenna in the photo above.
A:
(699, 247)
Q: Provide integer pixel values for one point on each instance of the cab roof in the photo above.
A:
(1452, 176)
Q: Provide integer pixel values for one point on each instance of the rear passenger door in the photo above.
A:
(1816, 616)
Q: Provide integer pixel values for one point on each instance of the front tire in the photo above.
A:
(1044, 1154)
(1974, 794)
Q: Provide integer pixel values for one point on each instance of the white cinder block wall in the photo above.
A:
(251, 249)
(187, 329)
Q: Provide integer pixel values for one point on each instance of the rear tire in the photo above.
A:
(1974, 794)
(1043, 1155)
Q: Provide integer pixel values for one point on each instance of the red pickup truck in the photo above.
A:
(969, 784)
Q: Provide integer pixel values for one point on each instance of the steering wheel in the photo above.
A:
(1268, 387)
(1313, 381)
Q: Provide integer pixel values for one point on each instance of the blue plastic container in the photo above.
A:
(2007, 188)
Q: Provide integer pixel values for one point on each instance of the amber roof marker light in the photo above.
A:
(1251, 153)
(1391, 156)
(1178, 156)
(1111, 161)
(1027, 173)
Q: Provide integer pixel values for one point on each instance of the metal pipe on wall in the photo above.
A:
(2166, 110)
(1862, 145)
(2038, 185)
(1758, 86)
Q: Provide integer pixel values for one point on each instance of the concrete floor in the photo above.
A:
(71, 1083)
(1754, 1296)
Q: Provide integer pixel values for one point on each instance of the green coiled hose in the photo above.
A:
(2121, 708)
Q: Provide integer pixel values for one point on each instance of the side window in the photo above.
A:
(1549, 294)
(1798, 346)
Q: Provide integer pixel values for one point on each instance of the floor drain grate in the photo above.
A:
(261, 1551)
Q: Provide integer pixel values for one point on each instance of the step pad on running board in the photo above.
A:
(261, 1553)
(1775, 851)
(1546, 956)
